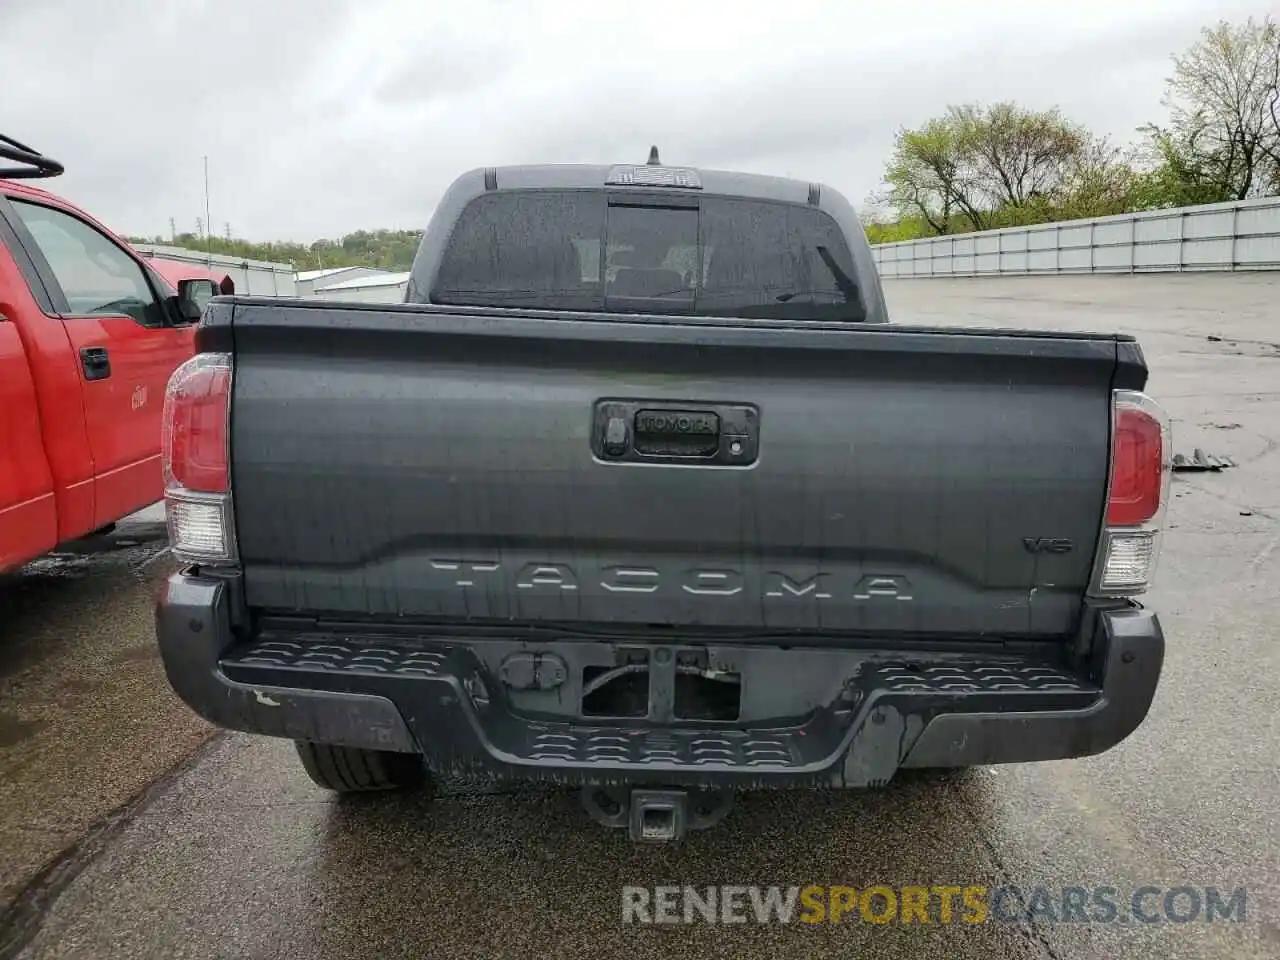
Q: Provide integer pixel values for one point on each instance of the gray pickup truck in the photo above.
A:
(640, 492)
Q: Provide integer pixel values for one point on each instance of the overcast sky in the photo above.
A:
(324, 116)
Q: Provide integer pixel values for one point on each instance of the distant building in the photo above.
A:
(380, 288)
(308, 282)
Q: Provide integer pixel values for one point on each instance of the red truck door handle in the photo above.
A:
(95, 362)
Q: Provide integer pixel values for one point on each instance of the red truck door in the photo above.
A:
(28, 509)
(122, 343)
(49, 437)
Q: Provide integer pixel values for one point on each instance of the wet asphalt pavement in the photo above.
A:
(231, 852)
(85, 720)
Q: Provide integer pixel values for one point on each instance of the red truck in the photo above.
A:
(205, 283)
(89, 335)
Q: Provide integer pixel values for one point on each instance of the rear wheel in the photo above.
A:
(351, 770)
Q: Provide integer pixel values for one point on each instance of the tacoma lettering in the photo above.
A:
(781, 585)
(879, 585)
(630, 579)
(546, 575)
(552, 577)
(466, 571)
(723, 583)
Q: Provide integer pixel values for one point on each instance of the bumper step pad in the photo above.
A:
(819, 715)
(420, 678)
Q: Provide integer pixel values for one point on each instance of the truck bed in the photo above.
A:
(446, 464)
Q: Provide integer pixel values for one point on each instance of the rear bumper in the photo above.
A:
(868, 713)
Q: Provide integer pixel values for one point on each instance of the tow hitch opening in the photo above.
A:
(656, 815)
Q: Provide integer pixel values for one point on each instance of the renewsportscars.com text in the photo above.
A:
(882, 904)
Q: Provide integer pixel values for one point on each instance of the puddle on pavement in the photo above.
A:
(79, 687)
(140, 654)
(47, 603)
(14, 730)
(83, 701)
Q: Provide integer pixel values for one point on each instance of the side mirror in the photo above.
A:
(192, 296)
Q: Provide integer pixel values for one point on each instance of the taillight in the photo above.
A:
(1137, 494)
(1137, 465)
(197, 473)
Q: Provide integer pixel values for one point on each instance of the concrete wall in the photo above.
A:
(1220, 236)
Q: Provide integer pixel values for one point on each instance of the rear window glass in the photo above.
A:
(579, 250)
(526, 249)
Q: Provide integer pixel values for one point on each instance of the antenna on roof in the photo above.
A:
(653, 157)
(36, 164)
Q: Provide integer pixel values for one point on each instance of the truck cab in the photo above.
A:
(89, 335)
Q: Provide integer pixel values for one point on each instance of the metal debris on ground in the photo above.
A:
(1200, 462)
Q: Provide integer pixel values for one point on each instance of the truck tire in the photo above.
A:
(352, 770)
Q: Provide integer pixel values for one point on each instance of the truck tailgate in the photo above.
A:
(417, 462)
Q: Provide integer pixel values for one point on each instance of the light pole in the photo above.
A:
(208, 224)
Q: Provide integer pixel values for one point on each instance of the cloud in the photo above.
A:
(327, 116)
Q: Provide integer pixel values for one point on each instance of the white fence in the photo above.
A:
(1244, 235)
(258, 277)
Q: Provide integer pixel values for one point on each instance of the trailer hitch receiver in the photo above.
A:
(656, 815)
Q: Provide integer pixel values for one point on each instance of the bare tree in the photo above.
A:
(1271, 143)
(1223, 111)
(1098, 182)
(1020, 155)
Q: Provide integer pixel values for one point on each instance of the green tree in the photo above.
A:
(384, 249)
(1180, 173)
(931, 176)
(977, 167)
(1020, 157)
